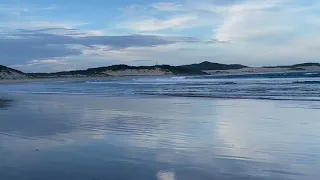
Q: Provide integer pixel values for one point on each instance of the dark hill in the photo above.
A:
(206, 65)
(306, 64)
(296, 65)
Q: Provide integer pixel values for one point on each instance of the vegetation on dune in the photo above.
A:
(9, 73)
(7, 70)
(296, 66)
(192, 69)
(214, 66)
(100, 71)
(306, 64)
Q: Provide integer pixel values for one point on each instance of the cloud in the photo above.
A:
(45, 61)
(33, 46)
(65, 31)
(20, 50)
(154, 24)
(167, 6)
(252, 20)
(251, 32)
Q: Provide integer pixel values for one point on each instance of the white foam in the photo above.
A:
(163, 175)
(311, 73)
(131, 83)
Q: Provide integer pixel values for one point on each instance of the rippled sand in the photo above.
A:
(63, 137)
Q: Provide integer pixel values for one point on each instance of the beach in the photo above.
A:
(160, 90)
(80, 137)
(162, 128)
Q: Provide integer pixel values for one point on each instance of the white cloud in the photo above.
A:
(48, 63)
(251, 20)
(45, 61)
(167, 6)
(67, 31)
(258, 32)
(248, 25)
(36, 24)
(273, 33)
(154, 24)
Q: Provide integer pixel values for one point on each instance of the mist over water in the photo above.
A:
(158, 128)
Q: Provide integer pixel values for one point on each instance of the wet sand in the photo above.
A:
(5, 103)
(88, 137)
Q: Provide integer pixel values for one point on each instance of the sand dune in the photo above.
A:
(11, 75)
(254, 70)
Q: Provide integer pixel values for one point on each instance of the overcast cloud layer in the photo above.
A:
(37, 36)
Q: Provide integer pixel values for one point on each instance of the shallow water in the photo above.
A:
(85, 137)
(287, 86)
(262, 127)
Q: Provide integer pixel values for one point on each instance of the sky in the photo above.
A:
(57, 35)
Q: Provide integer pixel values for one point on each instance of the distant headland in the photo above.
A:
(204, 68)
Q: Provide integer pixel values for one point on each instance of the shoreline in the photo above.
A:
(217, 73)
(67, 79)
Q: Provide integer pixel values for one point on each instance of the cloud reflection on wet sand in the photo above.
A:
(194, 138)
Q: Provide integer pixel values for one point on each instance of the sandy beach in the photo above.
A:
(87, 137)
(159, 90)
(151, 127)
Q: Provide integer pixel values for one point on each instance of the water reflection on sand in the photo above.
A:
(83, 137)
(4, 103)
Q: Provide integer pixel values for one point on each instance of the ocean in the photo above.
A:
(263, 127)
